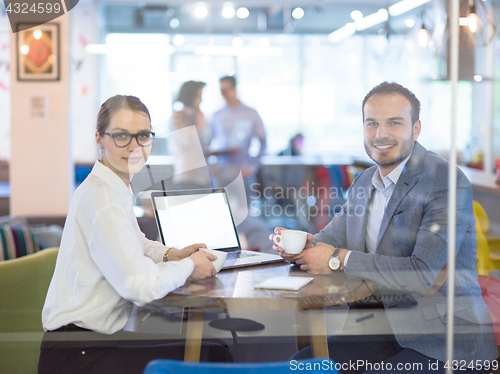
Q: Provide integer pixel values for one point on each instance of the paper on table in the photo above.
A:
(283, 283)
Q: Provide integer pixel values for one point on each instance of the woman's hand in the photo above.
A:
(203, 266)
(179, 254)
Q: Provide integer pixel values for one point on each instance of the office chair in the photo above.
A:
(24, 282)
(282, 367)
(486, 260)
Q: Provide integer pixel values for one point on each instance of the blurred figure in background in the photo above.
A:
(235, 126)
(191, 142)
(294, 146)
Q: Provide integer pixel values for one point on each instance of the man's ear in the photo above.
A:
(416, 130)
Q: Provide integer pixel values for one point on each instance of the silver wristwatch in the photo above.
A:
(334, 261)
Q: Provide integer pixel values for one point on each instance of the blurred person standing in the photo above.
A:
(190, 144)
(234, 127)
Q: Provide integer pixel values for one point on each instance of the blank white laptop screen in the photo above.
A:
(196, 218)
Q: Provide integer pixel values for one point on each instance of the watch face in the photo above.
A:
(334, 263)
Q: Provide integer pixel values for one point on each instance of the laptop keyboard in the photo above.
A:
(233, 255)
(390, 301)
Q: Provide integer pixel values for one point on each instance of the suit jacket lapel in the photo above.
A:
(359, 225)
(405, 183)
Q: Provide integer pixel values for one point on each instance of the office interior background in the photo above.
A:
(304, 65)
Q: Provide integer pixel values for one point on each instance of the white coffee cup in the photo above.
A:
(221, 257)
(292, 241)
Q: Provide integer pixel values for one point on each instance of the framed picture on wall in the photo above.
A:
(38, 52)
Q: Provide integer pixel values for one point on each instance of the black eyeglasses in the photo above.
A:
(123, 139)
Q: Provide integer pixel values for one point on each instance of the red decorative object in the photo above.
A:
(38, 52)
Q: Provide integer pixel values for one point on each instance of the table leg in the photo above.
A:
(194, 333)
(302, 339)
(318, 333)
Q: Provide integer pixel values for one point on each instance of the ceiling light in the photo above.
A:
(298, 13)
(237, 51)
(25, 49)
(423, 36)
(242, 13)
(478, 78)
(473, 19)
(37, 34)
(174, 23)
(342, 33)
(228, 10)
(404, 6)
(200, 11)
(372, 20)
(178, 40)
(124, 49)
(356, 15)
(409, 22)
(237, 42)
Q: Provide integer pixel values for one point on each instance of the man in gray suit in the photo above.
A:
(392, 231)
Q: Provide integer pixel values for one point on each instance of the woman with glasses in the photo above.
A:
(190, 138)
(105, 263)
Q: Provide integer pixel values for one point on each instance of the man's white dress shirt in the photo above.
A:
(382, 192)
(105, 263)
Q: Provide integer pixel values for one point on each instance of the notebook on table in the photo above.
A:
(203, 216)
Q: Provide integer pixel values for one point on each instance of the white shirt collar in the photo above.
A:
(107, 175)
(392, 178)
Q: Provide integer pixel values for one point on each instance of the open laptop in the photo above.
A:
(203, 216)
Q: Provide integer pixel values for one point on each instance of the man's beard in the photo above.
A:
(405, 150)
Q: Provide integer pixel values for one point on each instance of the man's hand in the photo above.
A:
(179, 254)
(277, 248)
(315, 259)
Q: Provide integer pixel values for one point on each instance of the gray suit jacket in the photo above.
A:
(412, 250)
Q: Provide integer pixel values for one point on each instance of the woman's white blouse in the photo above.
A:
(105, 263)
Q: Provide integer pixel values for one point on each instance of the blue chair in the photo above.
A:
(283, 367)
